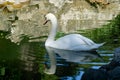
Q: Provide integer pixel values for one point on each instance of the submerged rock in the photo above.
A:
(95, 74)
(117, 55)
(115, 73)
(109, 71)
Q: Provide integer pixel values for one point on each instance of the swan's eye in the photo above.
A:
(45, 17)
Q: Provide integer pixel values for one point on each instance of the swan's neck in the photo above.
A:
(52, 58)
(53, 31)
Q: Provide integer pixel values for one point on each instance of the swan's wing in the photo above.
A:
(86, 40)
(73, 41)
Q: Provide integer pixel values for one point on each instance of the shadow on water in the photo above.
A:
(19, 62)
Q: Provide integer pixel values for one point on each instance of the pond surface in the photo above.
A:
(28, 60)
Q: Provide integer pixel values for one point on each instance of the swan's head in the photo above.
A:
(50, 17)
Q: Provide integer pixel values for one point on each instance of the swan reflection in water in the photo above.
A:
(70, 56)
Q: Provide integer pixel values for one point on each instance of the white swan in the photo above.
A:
(74, 42)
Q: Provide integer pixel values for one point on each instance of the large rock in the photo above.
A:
(72, 15)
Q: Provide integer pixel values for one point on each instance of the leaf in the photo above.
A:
(2, 71)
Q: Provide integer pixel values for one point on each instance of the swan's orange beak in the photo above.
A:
(45, 22)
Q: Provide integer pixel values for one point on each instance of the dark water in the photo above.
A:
(27, 60)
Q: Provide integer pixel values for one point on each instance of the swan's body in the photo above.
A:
(75, 42)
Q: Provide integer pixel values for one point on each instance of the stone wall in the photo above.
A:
(72, 15)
